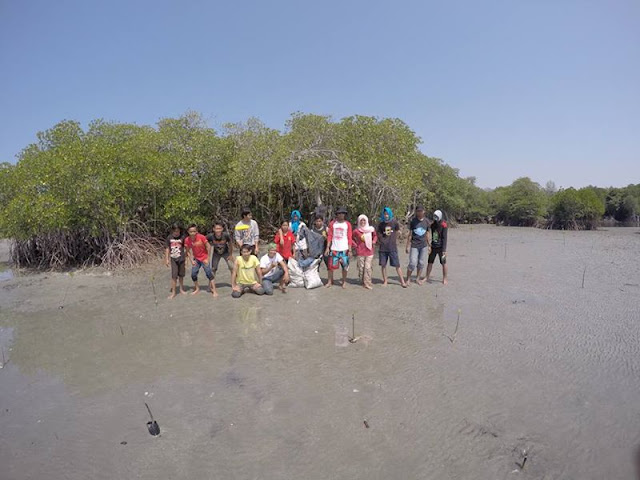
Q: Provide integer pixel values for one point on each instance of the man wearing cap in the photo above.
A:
(438, 245)
(339, 243)
(418, 244)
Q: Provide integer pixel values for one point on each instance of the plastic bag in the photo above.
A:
(296, 278)
(311, 276)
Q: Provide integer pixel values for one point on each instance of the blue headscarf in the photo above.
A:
(388, 210)
(295, 223)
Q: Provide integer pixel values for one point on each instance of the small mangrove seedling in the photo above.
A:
(366, 424)
(583, 274)
(353, 338)
(155, 297)
(455, 332)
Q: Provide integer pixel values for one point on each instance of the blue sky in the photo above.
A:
(497, 88)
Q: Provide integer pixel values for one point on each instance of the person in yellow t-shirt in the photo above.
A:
(246, 274)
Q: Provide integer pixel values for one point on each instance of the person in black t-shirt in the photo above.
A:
(174, 257)
(418, 245)
(387, 245)
(438, 245)
(221, 247)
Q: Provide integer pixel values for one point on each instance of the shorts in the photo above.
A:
(437, 251)
(392, 257)
(215, 260)
(336, 259)
(177, 268)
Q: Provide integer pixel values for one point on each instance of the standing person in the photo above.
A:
(284, 240)
(295, 221)
(274, 270)
(247, 231)
(438, 245)
(246, 275)
(365, 238)
(418, 244)
(321, 229)
(339, 243)
(174, 255)
(388, 251)
(221, 247)
(198, 249)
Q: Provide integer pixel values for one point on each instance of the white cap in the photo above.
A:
(437, 215)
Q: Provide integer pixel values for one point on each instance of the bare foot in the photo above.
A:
(329, 284)
(368, 287)
(405, 285)
(196, 291)
(171, 296)
(385, 283)
(344, 284)
(183, 291)
(214, 293)
(444, 282)
(420, 281)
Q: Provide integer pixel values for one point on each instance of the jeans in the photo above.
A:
(257, 289)
(267, 283)
(196, 269)
(417, 256)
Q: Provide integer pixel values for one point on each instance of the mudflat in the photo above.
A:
(544, 364)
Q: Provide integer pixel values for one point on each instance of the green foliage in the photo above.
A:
(621, 204)
(113, 177)
(576, 209)
(523, 203)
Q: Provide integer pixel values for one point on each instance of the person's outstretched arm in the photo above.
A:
(444, 239)
(234, 276)
(408, 247)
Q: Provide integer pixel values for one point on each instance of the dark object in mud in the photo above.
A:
(61, 307)
(518, 301)
(121, 330)
(366, 424)
(583, 273)
(123, 443)
(524, 460)
(154, 428)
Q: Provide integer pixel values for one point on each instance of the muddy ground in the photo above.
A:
(269, 388)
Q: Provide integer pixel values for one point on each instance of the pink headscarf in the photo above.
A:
(367, 231)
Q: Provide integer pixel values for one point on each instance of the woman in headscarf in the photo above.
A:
(364, 236)
(295, 221)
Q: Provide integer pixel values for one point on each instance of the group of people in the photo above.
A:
(297, 246)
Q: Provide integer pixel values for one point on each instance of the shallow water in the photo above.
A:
(271, 387)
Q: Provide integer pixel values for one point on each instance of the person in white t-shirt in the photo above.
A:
(274, 270)
(339, 243)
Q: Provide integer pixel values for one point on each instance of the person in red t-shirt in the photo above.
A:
(198, 248)
(284, 240)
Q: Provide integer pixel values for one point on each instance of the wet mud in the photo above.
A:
(513, 370)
